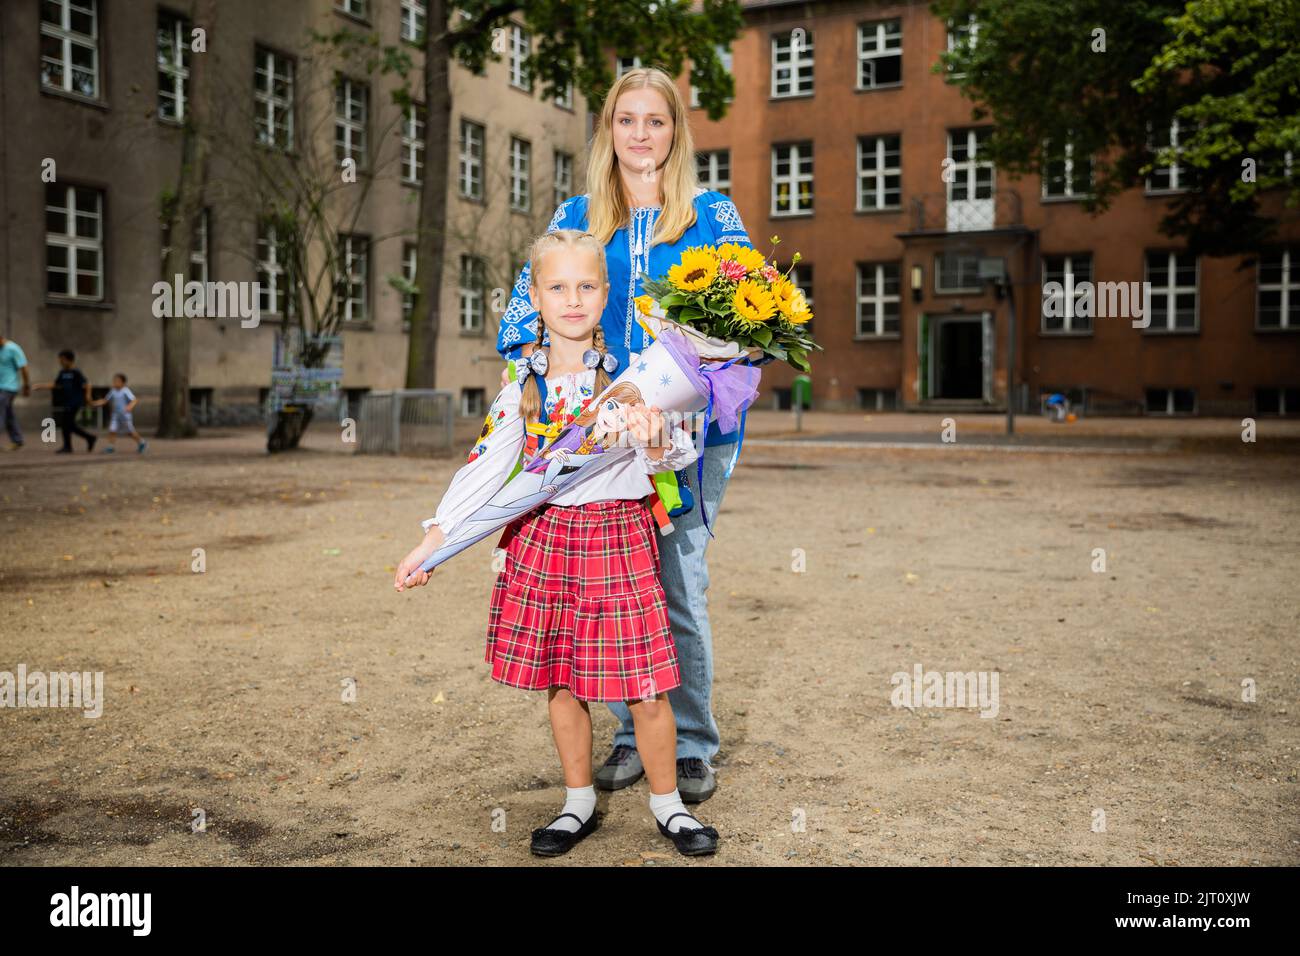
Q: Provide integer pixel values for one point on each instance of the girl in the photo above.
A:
(644, 205)
(578, 610)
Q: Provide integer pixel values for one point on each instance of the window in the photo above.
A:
(471, 160)
(173, 65)
(878, 298)
(1277, 401)
(355, 8)
(1277, 303)
(273, 99)
(880, 54)
(626, 64)
(792, 179)
(725, 56)
(1062, 312)
(956, 272)
(564, 96)
(792, 63)
(1171, 401)
(413, 145)
(1065, 176)
(1175, 176)
(563, 176)
(878, 399)
(350, 107)
(414, 16)
(880, 172)
(473, 282)
(354, 277)
(1173, 278)
(519, 47)
(473, 402)
(971, 177)
(74, 242)
(962, 37)
(274, 272)
(409, 252)
(199, 248)
(521, 161)
(70, 46)
(714, 169)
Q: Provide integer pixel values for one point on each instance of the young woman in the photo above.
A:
(643, 202)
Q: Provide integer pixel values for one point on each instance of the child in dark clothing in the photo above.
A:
(71, 390)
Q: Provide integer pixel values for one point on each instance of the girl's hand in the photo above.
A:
(647, 427)
(410, 566)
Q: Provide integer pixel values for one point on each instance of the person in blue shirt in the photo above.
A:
(644, 203)
(12, 363)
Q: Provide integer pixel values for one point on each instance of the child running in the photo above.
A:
(124, 402)
(578, 610)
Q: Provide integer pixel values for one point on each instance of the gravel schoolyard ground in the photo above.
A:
(1120, 736)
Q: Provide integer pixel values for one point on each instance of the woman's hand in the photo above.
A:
(410, 566)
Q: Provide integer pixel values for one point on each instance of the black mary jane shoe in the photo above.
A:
(697, 841)
(548, 842)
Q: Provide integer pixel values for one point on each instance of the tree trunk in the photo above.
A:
(431, 242)
(174, 420)
(288, 428)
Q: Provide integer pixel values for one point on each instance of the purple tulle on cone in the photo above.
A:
(734, 387)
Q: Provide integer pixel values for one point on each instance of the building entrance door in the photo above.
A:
(960, 357)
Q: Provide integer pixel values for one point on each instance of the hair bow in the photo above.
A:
(530, 363)
(591, 358)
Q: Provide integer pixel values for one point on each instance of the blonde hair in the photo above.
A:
(530, 404)
(607, 209)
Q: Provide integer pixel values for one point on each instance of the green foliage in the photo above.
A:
(1228, 70)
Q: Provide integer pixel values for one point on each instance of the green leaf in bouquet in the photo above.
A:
(690, 313)
(761, 335)
(671, 299)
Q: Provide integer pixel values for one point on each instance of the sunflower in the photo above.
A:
(753, 304)
(799, 312)
(783, 291)
(751, 259)
(695, 271)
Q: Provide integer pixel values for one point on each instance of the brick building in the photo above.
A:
(838, 140)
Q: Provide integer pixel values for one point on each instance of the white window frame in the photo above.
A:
(564, 96)
(176, 68)
(471, 409)
(410, 260)
(521, 167)
(274, 277)
(872, 325)
(625, 64)
(971, 28)
(887, 43)
(708, 165)
(353, 8)
(199, 243)
(956, 290)
(1170, 293)
(69, 38)
(470, 171)
(1169, 399)
(413, 144)
(1290, 283)
(354, 249)
(1177, 172)
(349, 131)
(74, 243)
(270, 67)
(874, 181)
(1069, 266)
(520, 46)
(1069, 193)
(786, 60)
(794, 179)
(414, 21)
(563, 176)
(472, 313)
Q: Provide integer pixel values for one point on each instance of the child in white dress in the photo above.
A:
(578, 609)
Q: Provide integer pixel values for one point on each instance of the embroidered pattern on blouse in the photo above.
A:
(727, 216)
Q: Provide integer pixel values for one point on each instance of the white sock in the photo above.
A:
(581, 802)
(664, 805)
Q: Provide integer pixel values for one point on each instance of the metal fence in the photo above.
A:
(407, 421)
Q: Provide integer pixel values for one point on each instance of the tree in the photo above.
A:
(574, 40)
(182, 216)
(1111, 78)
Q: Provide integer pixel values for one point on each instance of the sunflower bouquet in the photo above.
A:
(733, 294)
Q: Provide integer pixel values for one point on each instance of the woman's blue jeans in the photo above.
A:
(685, 577)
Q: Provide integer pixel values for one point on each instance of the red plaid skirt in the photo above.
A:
(579, 604)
